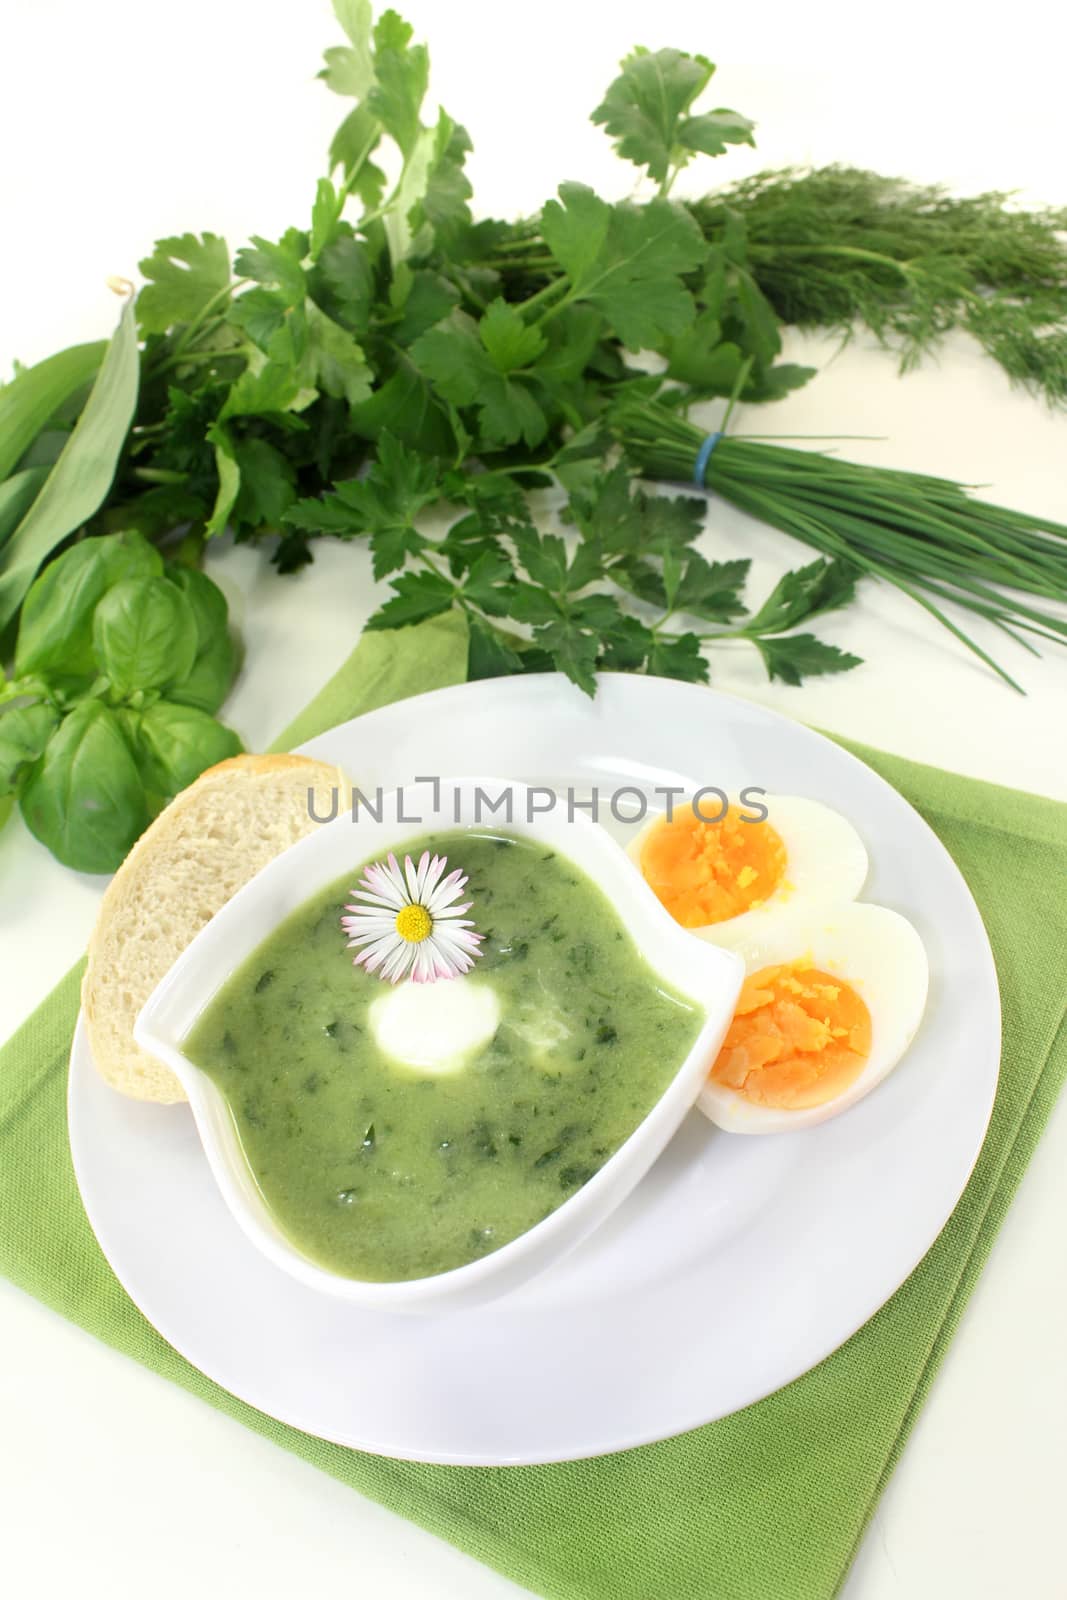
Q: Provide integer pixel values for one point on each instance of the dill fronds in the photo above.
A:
(836, 246)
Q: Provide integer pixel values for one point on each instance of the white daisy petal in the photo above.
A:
(446, 893)
(377, 885)
(450, 913)
(399, 963)
(411, 882)
(421, 875)
(436, 867)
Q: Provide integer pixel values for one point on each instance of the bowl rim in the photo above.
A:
(289, 880)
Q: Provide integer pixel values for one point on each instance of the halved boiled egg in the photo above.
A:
(829, 1005)
(721, 872)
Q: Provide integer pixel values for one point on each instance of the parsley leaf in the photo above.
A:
(417, 595)
(278, 266)
(349, 69)
(185, 274)
(267, 485)
(801, 655)
(804, 593)
(335, 362)
(711, 590)
(573, 649)
(384, 505)
(645, 112)
(401, 77)
(678, 656)
(510, 342)
(626, 260)
(488, 656)
(490, 583)
(455, 356)
(441, 205)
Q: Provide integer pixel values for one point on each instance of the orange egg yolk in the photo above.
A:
(708, 871)
(799, 1038)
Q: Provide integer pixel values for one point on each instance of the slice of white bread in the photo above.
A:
(210, 840)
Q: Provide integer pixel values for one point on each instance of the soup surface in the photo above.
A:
(382, 1170)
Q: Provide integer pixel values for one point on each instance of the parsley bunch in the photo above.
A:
(476, 398)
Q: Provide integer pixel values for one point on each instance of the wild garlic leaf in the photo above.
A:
(802, 655)
(646, 110)
(83, 474)
(626, 260)
(184, 274)
(34, 396)
(804, 593)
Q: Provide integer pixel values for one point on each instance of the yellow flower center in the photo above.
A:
(414, 924)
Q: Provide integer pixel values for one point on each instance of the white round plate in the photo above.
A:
(738, 1263)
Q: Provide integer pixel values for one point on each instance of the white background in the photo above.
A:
(123, 123)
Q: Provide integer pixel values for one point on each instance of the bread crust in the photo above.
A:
(157, 901)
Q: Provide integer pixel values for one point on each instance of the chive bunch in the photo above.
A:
(928, 537)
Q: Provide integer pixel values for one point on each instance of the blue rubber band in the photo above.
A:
(703, 457)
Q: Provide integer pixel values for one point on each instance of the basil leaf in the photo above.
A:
(144, 635)
(24, 732)
(33, 397)
(83, 798)
(207, 684)
(56, 624)
(175, 743)
(82, 476)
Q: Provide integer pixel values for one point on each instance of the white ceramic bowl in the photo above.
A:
(711, 977)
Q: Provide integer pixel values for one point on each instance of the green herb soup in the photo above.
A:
(384, 1171)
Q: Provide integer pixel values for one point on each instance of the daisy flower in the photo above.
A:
(408, 922)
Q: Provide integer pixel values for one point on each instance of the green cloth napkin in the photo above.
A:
(765, 1505)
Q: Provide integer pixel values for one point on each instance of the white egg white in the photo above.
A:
(826, 861)
(880, 954)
